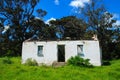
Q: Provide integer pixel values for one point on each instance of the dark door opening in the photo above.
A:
(61, 53)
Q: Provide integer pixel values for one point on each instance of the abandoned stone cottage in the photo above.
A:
(47, 52)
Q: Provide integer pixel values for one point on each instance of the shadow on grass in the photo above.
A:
(106, 63)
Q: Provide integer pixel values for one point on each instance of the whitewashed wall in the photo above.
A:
(91, 51)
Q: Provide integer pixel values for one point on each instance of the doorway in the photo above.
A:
(61, 53)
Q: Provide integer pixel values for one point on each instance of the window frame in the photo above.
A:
(40, 50)
(80, 53)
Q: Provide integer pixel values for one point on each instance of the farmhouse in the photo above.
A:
(47, 52)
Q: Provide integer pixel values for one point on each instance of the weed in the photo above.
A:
(78, 61)
(31, 62)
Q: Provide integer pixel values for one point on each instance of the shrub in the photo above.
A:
(31, 62)
(6, 60)
(78, 61)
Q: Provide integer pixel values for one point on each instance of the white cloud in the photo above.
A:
(47, 22)
(78, 3)
(117, 22)
(38, 18)
(115, 16)
(5, 28)
(56, 2)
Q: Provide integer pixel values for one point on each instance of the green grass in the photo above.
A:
(17, 71)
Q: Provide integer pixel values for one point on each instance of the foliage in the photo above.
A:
(78, 61)
(6, 60)
(70, 26)
(100, 22)
(19, 71)
(17, 23)
(31, 62)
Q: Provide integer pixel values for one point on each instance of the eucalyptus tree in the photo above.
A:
(71, 27)
(100, 22)
(18, 14)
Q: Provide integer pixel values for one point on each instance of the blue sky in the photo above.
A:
(60, 8)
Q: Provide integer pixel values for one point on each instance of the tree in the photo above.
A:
(18, 14)
(43, 31)
(100, 21)
(70, 26)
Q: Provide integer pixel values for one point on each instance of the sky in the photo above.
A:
(59, 8)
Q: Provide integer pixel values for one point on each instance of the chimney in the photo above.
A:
(95, 37)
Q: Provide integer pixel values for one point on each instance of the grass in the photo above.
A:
(17, 71)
